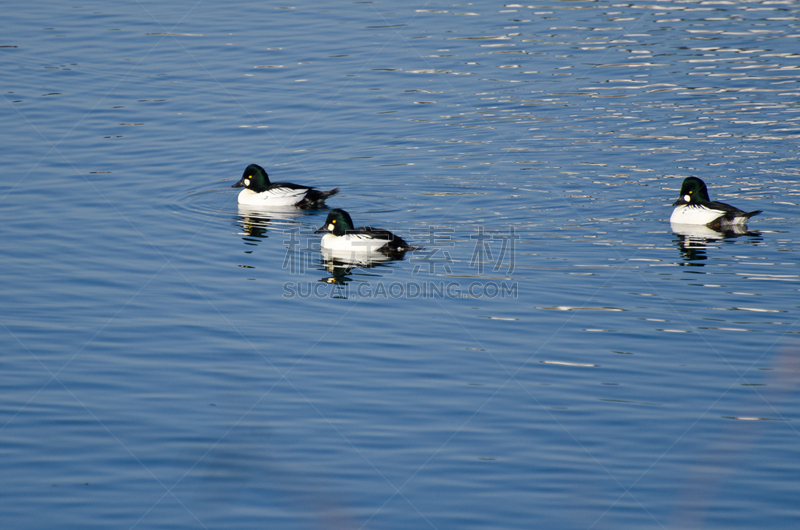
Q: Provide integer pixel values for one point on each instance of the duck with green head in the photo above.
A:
(694, 207)
(340, 235)
(259, 191)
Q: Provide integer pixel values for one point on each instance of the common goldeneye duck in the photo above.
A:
(342, 237)
(258, 191)
(693, 207)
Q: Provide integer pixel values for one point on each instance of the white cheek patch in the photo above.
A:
(330, 227)
(246, 182)
(686, 198)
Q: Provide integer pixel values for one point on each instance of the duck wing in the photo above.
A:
(394, 243)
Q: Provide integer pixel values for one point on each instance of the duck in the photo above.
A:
(259, 191)
(340, 236)
(693, 207)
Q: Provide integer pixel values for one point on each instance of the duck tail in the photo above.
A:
(398, 245)
(732, 219)
(316, 199)
(748, 215)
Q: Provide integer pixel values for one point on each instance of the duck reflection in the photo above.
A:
(693, 240)
(339, 264)
(255, 222)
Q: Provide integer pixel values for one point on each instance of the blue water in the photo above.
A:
(555, 357)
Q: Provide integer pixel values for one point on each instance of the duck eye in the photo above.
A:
(334, 221)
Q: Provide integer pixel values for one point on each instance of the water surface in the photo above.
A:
(557, 356)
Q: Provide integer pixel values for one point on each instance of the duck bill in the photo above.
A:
(321, 229)
(679, 202)
(239, 184)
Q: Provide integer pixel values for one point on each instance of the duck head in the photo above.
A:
(693, 191)
(254, 178)
(337, 223)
